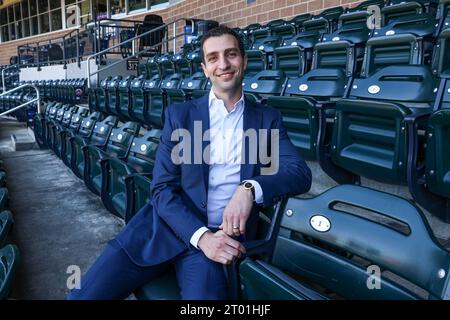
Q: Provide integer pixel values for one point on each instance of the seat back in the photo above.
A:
(113, 95)
(338, 238)
(119, 142)
(125, 97)
(264, 84)
(143, 151)
(102, 130)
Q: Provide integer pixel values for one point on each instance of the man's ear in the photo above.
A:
(245, 62)
(204, 69)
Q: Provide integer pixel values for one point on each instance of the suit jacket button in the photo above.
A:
(203, 204)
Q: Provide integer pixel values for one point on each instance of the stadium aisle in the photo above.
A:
(52, 237)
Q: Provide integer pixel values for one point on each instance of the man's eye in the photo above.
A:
(211, 59)
(232, 54)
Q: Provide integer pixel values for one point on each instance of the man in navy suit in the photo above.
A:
(205, 191)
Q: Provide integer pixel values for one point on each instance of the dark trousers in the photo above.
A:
(114, 276)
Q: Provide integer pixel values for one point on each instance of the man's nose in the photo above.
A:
(223, 63)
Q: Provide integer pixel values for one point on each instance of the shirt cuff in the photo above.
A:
(196, 236)
(258, 191)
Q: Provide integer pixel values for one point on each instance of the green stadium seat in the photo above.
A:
(118, 145)
(9, 261)
(265, 84)
(95, 134)
(330, 244)
(6, 222)
(396, 91)
(113, 96)
(84, 130)
(303, 97)
(118, 175)
(101, 94)
(125, 99)
(429, 182)
(63, 146)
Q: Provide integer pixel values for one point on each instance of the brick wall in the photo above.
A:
(234, 13)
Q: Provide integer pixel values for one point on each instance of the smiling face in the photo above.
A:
(224, 64)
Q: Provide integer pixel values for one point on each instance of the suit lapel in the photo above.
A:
(252, 120)
(201, 113)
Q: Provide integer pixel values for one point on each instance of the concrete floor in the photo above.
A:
(58, 221)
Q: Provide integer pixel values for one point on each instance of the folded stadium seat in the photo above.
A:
(59, 90)
(195, 61)
(50, 120)
(69, 126)
(113, 95)
(142, 69)
(39, 125)
(83, 132)
(137, 98)
(264, 48)
(96, 136)
(429, 180)
(61, 127)
(396, 90)
(57, 121)
(265, 84)
(101, 94)
(54, 90)
(409, 8)
(6, 222)
(3, 198)
(153, 69)
(118, 145)
(350, 242)
(67, 90)
(125, 102)
(165, 287)
(126, 182)
(186, 88)
(141, 96)
(157, 100)
(306, 97)
(73, 129)
(182, 64)
(363, 6)
(166, 65)
(9, 261)
(310, 33)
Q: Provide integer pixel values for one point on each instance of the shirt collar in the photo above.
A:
(213, 101)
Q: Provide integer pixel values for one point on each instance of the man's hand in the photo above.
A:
(220, 247)
(236, 212)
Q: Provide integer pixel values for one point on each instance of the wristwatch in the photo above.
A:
(249, 186)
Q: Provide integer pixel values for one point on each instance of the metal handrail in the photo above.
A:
(88, 67)
(3, 76)
(38, 99)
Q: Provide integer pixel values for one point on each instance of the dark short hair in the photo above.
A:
(220, 31)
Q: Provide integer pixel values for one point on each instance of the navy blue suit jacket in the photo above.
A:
(163, 228)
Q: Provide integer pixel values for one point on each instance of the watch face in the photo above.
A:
(248, 185)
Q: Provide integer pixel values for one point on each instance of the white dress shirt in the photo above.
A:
(226, 132)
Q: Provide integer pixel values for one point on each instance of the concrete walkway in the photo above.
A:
(58, 221)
